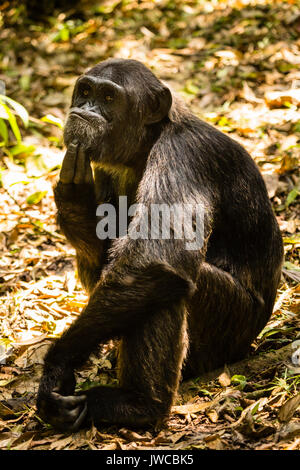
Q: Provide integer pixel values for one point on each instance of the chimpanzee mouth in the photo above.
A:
(78, 116)
(82, 118)
(88, 130)
(89, 117)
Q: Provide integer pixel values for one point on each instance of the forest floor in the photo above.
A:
(236, 63)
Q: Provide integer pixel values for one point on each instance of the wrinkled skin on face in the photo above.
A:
(111, 112)
(95, 112)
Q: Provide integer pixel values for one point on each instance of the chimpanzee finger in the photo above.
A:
(70, 401)
(89, 178)
(63, 423)
(75, 426)
(70, 420)
(70, 416)
(69, 163)
(73, 415)
(79, 177)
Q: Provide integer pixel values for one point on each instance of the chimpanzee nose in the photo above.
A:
(90, 106)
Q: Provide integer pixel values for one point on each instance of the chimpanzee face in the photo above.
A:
(112, 105)
(98, 107)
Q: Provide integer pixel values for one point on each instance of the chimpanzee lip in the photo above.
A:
(73, 113)
(91, 118)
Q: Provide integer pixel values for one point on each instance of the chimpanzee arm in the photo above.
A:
(76, 204)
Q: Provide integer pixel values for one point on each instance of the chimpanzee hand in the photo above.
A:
(76, 166)
(75, 195)
(55, 403)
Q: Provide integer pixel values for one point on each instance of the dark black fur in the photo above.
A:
(176, 311)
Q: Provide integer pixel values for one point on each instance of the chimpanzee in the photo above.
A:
(177, 312)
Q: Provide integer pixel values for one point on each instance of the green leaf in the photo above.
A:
(53, 120)
(297, 127)
(35, 198)
(290, 266)
(25, 82)
(3, 112)
(12, 120)
(191, 88)
(293, 194)
(294, 239)
(19, 109)
(14, 126)
(271, 332)
(239, 380)
(38, 224)
(177, 43)
(21, 148)
(3, 131)
(255, 408)
(5, 342)
(106, 9)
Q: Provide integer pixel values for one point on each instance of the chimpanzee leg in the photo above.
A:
(223, 320)
(150, 361)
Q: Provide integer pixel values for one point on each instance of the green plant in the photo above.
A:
(8, 111)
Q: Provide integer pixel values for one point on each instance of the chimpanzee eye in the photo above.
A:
(108, 98)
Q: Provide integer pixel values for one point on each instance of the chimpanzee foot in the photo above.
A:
(64, 413)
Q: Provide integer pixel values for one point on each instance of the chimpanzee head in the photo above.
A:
(114, 107)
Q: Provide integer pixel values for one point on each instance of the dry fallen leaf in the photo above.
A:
(61, 443)
(290, 430)
(271, 181)
(277, 99)
(288, 409)
(225, 379)
(214, 442)
(190, 408)
(212, 415)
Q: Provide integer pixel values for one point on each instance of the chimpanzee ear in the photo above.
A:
(160, 107)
